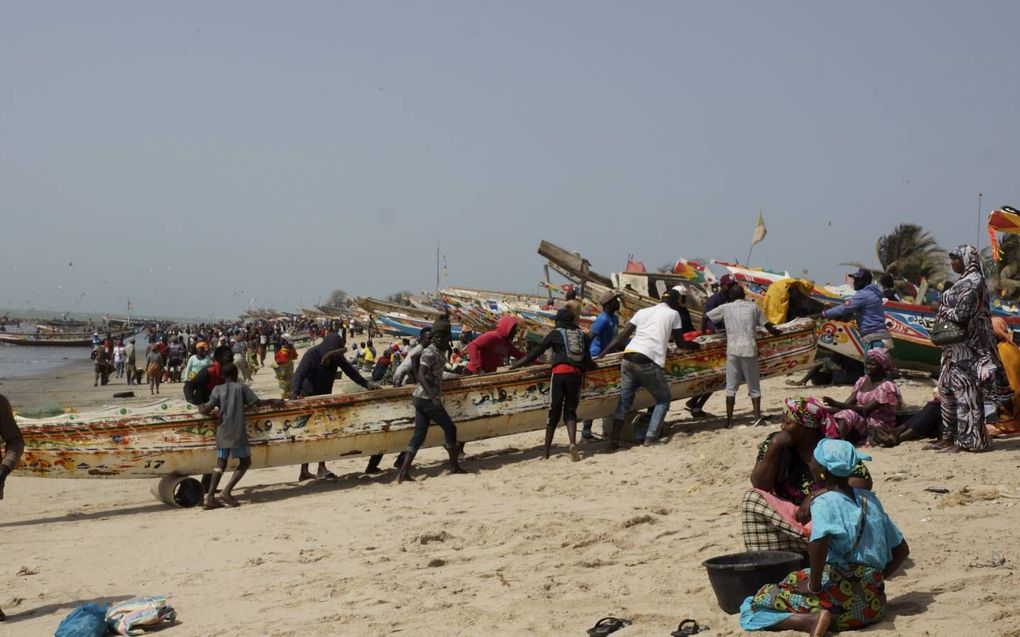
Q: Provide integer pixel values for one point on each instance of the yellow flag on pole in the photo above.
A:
(759, 230)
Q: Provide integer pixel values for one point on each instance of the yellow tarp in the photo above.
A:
(777, 299)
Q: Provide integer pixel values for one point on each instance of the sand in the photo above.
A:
(520, 546)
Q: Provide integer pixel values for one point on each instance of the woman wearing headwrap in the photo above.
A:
(197, 361)
(284, 360)
(871, 406)
(971, 371)
(776, 511)
(854, 548)
(1009, 354)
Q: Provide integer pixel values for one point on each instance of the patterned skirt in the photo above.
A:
(284, 374)
(153, 370)
(856, 598)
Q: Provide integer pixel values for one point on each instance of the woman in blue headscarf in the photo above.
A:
(854, 548)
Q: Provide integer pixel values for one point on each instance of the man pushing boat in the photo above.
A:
(315, 376)
(14, 446)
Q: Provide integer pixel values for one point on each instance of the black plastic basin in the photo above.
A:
(735, 576)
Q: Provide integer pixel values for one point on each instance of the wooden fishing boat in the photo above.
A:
(637, 290)
(170, 440)
(377, 306)
(910, 325)
(409, 326)
(37, 339)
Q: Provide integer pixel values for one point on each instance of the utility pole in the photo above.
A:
(978, 244)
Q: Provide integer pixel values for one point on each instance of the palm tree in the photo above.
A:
(911, 253)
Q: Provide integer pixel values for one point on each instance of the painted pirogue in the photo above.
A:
(57, 339)
(174, 440)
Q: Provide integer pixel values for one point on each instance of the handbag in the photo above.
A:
(947, 332)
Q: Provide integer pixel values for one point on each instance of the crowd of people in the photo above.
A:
(810, 487)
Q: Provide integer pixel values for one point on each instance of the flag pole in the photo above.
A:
(749, 250)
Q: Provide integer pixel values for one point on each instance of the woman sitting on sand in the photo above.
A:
(854, 548)
(1009, 423)
(775, 513)
(871, 406)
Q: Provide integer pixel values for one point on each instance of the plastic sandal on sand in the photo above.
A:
(606, 626)
(688, 627)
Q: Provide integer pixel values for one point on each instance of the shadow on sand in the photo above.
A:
(485, 461)
(21, 615)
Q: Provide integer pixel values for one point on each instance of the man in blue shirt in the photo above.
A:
(867, 308)
(603, 331)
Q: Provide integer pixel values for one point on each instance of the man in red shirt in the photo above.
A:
(490, 350)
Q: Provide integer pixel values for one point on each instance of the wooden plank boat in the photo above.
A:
(54, 340)
(409, 326)
(572, 262)
(171, 439)
(377, 306)
(909, 325)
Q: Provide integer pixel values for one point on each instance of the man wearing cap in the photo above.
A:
(867, 308)
(708, 326)
(644, 361)
(603, 330)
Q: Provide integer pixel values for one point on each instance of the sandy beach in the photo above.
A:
(518, 546)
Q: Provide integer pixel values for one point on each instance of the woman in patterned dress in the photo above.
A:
(871, 408)
(775, 514)
(971, 372)
(854, 548)
(284, 359)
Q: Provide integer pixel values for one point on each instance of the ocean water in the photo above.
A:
(18, 361)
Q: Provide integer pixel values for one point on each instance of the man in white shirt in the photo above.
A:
(742, 319)
(644, 360)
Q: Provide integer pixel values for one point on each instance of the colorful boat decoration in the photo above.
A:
(908, 324)
(171, 439)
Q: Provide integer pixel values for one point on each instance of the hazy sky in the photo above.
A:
(192, 156)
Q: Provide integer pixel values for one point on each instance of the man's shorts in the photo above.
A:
(742, 369)
(225, 453)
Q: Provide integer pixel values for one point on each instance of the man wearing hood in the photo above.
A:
(490, 350)
(867, 308)
(315, 376)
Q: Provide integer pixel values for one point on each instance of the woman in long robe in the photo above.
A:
(971, 372)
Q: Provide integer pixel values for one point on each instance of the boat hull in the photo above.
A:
(178, 441)
(54, 340)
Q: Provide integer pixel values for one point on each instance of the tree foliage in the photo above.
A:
(337, 298)
(400, 298)
(911, 253)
